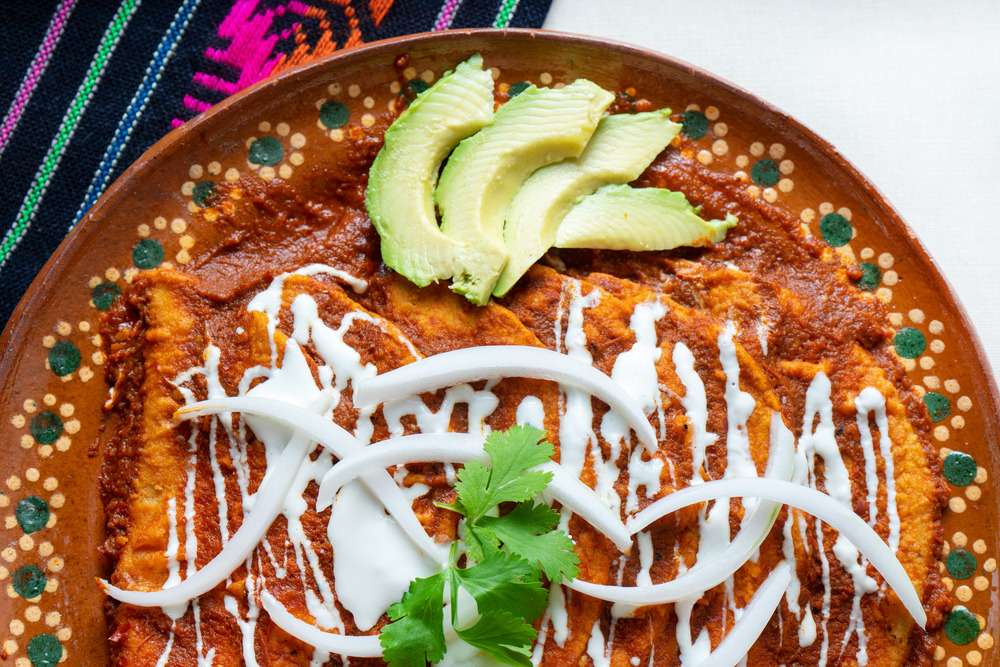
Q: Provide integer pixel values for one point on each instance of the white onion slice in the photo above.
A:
(820, 505)
(354, 646)
(709, 574)
(343, 445)
(270, 498)
(491, 362)
(419, 448)
(754, 618)
(584, 502)
(462, 448)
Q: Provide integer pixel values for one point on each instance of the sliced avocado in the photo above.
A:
(537, 128)
(620, 150)
(401, 180)
(619, 217)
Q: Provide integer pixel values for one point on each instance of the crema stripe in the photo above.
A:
(35, 71)
(164, 51)
(70, 121)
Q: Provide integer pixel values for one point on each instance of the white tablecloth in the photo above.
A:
(908, 91)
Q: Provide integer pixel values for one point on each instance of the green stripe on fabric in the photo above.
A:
(70, 121)
(505, 14)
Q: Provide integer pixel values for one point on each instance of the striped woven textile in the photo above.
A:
(88, 86)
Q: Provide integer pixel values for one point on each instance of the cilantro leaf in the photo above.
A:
(527, 531)
(508, 478)
(503, 635)
(505, 583)
(416, 634)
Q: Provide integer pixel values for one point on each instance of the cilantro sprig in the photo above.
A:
(507, 550)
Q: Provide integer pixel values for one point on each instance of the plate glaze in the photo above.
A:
(51, 372)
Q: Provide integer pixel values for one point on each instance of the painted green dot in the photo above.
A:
(64, 358)
(266, 151)
(959, 469)
(871, 276)
(32, 514)
(910, 343)
(418, 86)
(46, 427)
(29, 581)
(104, 294)
(836, 229)
(938, 405)
(694, 124)
(765, 173)
(518, 88)
(203, 190)
(147, 254)
(962, 626)
(44, 650)
(961, 564)
(333, 115)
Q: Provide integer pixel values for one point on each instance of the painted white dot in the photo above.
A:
(742, 161)
(720, 129)
(195, 171)
(704, 157)
(756, 149)
(711, 113)
(937, 346)
(777, 151)
(964, 403)
(786, 185)
(283, 129)
(786, 167)
(885, 260)
(298, 140)
(720, 147)
(545, 78)
(825, 207)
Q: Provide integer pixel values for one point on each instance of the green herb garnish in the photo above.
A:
(506, 555)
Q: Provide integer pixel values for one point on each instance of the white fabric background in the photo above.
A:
(878, 79)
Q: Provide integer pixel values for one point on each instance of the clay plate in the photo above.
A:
(51, 381)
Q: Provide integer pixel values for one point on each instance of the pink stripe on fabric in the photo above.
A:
(447, 14)
(35, 71)
(196, 105)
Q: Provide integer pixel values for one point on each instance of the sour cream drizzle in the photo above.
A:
(374, 566)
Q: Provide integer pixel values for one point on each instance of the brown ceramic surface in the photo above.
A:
(50, 424)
